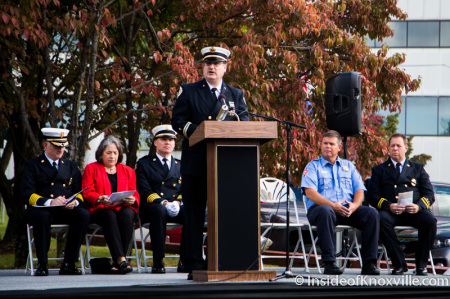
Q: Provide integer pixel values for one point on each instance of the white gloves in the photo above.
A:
(173, 208)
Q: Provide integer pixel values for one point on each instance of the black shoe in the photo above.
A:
(69, 269)
(190, 276)
(370, 269)
(42, 270)
(124, 267)
(158, 267)
(181, 268)
(332, 268)
(399, 270)
(421, 271)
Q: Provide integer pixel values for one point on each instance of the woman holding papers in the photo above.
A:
(102, 178)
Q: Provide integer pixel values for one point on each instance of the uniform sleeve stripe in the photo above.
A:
(426, 202)
(186, 127)
(179, 196)
(152, 197)
(380, 203)
(34, 198)
(80, 197)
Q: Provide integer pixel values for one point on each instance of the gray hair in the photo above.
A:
(335, 134)
(108, 140)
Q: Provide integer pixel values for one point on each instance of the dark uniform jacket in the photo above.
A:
(194, 105)
(385, 185)
(152, 183)
(41, 181)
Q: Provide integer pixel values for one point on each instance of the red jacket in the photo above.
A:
(96, 179)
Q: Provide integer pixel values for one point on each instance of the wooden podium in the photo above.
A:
(233, 198)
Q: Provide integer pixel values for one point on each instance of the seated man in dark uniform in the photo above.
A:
(49, 180)
(391, 178)
(158, 181)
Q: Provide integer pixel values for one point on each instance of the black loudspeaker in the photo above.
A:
(343, 104)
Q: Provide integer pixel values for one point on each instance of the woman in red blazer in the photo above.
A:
(117, 219)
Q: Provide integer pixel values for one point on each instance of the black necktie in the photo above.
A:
(398, 168)
(55, 165)
(166, 167)
(213, 90)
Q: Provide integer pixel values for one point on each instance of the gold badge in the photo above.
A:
(345, 168)
(61, 135)
(212, 50)
(413, 182)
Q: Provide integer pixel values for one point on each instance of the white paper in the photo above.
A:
(405, 198)
(121, 195)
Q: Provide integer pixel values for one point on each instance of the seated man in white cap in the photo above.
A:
(197, 102)
(158, 182)
(49, 180)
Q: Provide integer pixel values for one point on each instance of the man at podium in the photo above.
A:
(197, 102)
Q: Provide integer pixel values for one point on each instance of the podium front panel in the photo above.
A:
(238, 207)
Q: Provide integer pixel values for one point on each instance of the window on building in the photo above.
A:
(445, 34)
(401, 117)
(444, 116)
(399, 38)
(421, 115)
(423, 34)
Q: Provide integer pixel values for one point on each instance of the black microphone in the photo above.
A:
(222, 99)
(224, 109)
(239, 112)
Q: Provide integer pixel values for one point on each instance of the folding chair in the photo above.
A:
(384, 252)
(339, 230)
(274, 192)
(143, 256)
(97, 229)
(55, 228)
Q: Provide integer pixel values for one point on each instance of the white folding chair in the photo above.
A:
(143, 256)
(55, 228)
(97, 229)
(338, 230)
(274, 191)
(383, 252)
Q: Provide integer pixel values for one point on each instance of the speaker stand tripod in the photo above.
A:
(287, 272)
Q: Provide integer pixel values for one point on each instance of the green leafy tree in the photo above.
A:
(420, 158)
(116, 66)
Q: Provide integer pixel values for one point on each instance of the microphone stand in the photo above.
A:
(287, 272)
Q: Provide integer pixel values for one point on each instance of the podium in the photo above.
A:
(234, 246)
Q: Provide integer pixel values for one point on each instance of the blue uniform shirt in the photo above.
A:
(334, 182)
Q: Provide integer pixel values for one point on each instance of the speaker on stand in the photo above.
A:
(343, 113)
(343, 104)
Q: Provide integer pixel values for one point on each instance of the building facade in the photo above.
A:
(425, 114)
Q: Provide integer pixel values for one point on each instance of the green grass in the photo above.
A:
(7, 260)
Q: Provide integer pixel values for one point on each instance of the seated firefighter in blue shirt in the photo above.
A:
(334, 192)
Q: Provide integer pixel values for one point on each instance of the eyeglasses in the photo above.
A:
(215, 63)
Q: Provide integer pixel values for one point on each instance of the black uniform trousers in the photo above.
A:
(194, 199)
(158, 217)
(118, 227)
(424, 221)
(42, 218)
(365, 219)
